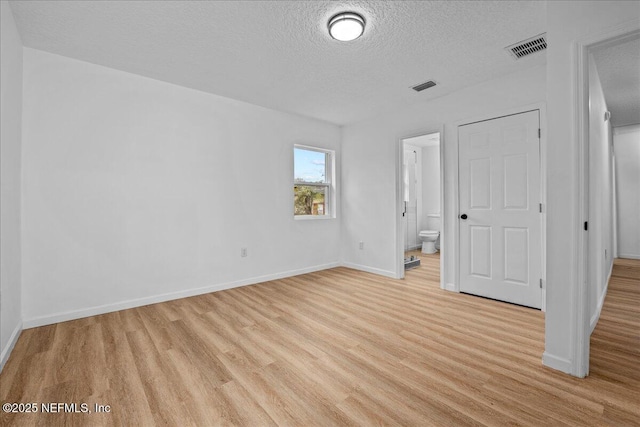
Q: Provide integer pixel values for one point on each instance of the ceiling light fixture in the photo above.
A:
(346, 26)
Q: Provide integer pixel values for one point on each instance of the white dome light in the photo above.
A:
(346, 26)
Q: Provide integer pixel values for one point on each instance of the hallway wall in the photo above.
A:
(601, 228)
(626, 142)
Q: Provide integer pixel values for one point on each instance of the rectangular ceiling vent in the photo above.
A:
(423, 86)
(528, 47)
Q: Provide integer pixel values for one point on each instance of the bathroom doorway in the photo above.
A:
(421, 202)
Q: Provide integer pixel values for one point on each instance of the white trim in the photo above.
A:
(139, 302)
(451, 287)
(596, 316)
(559, 363)
(13, 339)
(312, 217)
(614, 197)
(580, 295)
(629, 256)
(399, 252)
(373, 270)
(543, 200)
(502, 113)
(455, 216)
(443, 218)
(580, 327)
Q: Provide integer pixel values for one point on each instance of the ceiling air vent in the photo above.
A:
(528, 47)
(423, 86)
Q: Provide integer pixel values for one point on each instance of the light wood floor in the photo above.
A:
(337, 347)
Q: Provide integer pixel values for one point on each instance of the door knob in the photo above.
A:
(463, 216)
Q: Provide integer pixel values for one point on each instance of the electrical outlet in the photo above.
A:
(361, 245)
(243, 252)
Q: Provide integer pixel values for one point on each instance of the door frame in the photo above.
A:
(581, 322)
(400, 199)
(542, 108)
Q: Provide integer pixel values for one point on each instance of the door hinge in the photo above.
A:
(540, 283)
(586, 225)
(539, 133)
(540, 207)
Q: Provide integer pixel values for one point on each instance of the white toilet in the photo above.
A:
(430, 237)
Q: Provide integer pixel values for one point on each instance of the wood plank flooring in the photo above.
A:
(337, 347)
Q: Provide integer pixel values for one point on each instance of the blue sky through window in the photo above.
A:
(308, 165)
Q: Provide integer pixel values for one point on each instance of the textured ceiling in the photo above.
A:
(278, 54)
(619, 71)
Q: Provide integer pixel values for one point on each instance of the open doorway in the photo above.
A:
(606, 76)
(421, 191)
(614, 152)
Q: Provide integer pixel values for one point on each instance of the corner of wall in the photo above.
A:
(13, 339)
(11, 62)
(558, 363)
(373, 270)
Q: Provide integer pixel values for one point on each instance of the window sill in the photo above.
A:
(312, 217)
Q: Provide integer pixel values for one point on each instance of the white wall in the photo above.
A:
(626, 141)
(137, 191)
(600, 196)
(370, 150)
(430, 183)
(10, 153)
(567, 23)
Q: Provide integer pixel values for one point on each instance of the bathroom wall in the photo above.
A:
(626, 142)
(137, 191)
(427, 183)
(430, 183)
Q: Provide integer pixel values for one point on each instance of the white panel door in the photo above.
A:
(500, 232)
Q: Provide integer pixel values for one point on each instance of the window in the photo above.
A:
(312, 182)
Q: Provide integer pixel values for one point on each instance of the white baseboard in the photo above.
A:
(373, 270)
(139, 302)
(596, 316)
(6, 351)
(450, 287)
(628, 256)
(558, 363)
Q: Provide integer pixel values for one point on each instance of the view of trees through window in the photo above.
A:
(308, 200)
(311, 183)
